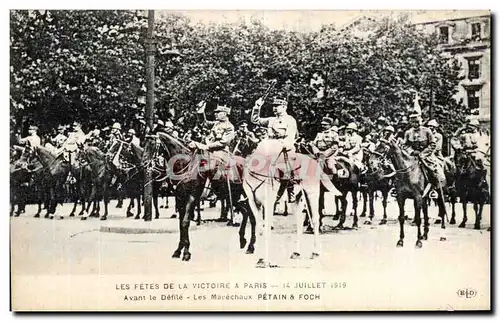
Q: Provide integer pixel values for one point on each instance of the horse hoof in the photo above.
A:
(400, 243)
(477, 226)
(452, 221)
(462, 225)
(104, 218)
(442, 238)
(250, 250)
(173, 216)
(383, 222)
(83, 218)
(37, 215)
(61, 218)
(72, 214)
(355, 226)
(161, 206)
(243, 242)
(363, 215)
(438, 221)
(295, 255)
(137, 217)
(46, 216)
(339, 227)
(130, 214)
(263, 264)
(418, 245)
(51, 217)
(314, 255)
(198, 223)
(229, 223)
(157, 217)
(367, 222)
(186, 257)
(336, 217)
(177, 254)
(119, 206)
(424, 237)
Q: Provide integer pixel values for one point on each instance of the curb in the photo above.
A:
(143, 229)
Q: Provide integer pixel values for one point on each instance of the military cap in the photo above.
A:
(327, 121)
(224, 109)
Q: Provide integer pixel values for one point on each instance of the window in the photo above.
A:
(443, 35)
(474, 68)
(473, 96)
(476, 31)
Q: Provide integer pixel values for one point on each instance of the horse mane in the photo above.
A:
(177, 144)
(95, 151)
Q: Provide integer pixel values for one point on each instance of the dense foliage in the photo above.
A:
(89, 66)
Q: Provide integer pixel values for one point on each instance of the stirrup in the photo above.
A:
(426, 190)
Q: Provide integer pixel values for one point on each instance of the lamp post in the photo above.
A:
(150, 111)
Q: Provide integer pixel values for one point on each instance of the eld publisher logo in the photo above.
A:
(467, 293)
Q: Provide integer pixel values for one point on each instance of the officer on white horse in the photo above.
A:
(283, 128)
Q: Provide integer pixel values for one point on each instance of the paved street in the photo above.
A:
(42, 246)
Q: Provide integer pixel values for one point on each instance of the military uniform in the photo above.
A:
(33, 139)
(282, 127)
(220, 135)
(419, 141)
(352, 147)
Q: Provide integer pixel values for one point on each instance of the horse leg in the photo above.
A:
(385, 195)
(355, 208)
(401, 219)
(182, 213)
(425, 211)
(418, 204)
(139, 208)
(190, 207)
(365, 197)
(155, 201)
(198, 210)
(105, 198)
(343, 205)
(243, 226)
(371, 196)
(338, 205)
(453, 214)
(463, 199)
(129, 208)
(478, 208)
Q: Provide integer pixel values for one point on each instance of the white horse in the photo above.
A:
(263, 173)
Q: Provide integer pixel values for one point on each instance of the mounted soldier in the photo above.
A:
(419, 142)
(32, 140)
(282, 128)
(326, 143)
(76, 139)
(245, 140)
(220, 135)
(352, 147)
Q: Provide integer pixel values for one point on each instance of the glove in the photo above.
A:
(259, 102)
(192, 145)
(201, 107)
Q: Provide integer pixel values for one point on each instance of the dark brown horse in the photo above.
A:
(410, 182)
(376, 179)
(55, 171)
(471, 186)
(189, 171)
(101, 171)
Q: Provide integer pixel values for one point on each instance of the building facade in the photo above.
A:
(466, 36)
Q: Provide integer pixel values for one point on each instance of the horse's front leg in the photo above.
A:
(343, 206)
(355, 209)
(463, 199)
(385, 195)
(401, 219)
(365, 200)
(418, 202)
(371, 195)
(105, 197)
